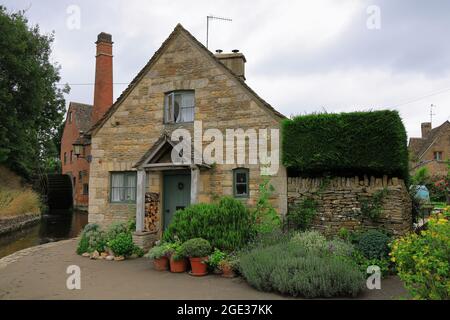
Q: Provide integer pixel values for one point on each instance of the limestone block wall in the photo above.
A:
(339, 202)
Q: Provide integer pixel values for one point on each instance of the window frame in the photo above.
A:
(170, 109)
(125, 173)
(69, 116)
(85, 188)
(247, 183)
(438, 155)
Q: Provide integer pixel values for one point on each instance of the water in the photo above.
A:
(51, 228)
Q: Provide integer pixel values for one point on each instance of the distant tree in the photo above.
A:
(31, 105)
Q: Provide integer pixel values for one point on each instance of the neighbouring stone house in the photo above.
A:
(431, 150)
(183, 82)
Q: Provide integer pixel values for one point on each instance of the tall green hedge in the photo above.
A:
(353, 143)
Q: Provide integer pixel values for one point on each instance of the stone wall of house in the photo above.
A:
(220, 102)
(339, 201)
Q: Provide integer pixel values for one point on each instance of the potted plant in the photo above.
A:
(159, 255)
(197, 250)
(227, 266)
(214, 260)
(177, 259)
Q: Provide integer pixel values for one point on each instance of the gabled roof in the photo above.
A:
(178, 29)
(82, 114)
(420, 145)
(163, 145)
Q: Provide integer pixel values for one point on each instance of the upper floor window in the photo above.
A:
(437, 155)
(85, 189)
(65, 157)
(179, 106)
(240, 182)
(69, 117)
(71, 156)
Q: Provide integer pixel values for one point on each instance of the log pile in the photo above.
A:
(151, 220)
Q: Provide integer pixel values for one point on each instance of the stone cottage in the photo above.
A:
(182, 84)
(431, 150)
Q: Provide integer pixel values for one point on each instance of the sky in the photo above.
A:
(302, 56)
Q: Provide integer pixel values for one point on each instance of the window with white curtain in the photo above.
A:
(179, 106)
(123, 187)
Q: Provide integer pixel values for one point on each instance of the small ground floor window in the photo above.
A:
(85, 189)
(123, 187)
(240, 182)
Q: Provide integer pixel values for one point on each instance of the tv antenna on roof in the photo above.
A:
(211, 17)
(431, 113)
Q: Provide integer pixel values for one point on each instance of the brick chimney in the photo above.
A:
(103, 89)
(426, 128)
(234, 61)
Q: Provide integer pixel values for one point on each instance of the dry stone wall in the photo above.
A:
(340, 201)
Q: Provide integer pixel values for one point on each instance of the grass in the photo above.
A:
(16, 198)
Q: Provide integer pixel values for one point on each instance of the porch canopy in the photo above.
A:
(158, 158)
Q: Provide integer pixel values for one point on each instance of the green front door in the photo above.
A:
(177, 194)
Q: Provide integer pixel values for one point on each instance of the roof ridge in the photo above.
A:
(178, 28)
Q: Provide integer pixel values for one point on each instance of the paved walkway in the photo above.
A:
(40, 273)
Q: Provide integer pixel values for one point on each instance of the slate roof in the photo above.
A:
(418, 146)
(82, 114)
(178, 29)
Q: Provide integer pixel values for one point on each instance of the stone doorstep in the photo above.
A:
(145, 240)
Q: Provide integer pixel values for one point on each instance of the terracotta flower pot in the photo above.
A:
(227, 271)
(198, 266)
(178, 266)
(161, 264)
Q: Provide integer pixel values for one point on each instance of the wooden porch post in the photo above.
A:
(140, 200)
(195, 177)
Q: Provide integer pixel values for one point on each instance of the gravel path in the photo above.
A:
(40, 273)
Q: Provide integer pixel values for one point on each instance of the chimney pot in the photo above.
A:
(104, 37)
(426, 128)
(219, 51)
(235, 51)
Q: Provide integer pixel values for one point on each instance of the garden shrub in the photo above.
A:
(313, 241)
(159, 251)
(115, 229)
(196, 248)
(373, 244)
(92, 239)
(422, 260)
(122, 244)
(290, 268)
(302, 215)
(227, 225)
(267, 218)
(348, 144)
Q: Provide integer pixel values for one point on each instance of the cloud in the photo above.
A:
(303, 56)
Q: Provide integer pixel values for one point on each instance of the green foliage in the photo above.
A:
(439, 188)
(373, 207)
(162, 250)
(215, 258)
(344, 234)
(290, 268)
(227, 225)
(31, 105)
(196, 248)
(302, 215)
(352, 144)
(115, 229)
(422, 260)
(122, 244)
(267, 218)
(364, 263)
(92, 239)
(313, 241)
(138, 252)
(373, 244)
(421, 177)
(175, 251)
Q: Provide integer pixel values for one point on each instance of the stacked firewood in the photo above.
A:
(151, 220)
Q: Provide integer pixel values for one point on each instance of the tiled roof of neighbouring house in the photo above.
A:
(418, 146)
(82, 114)
(178, 29)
